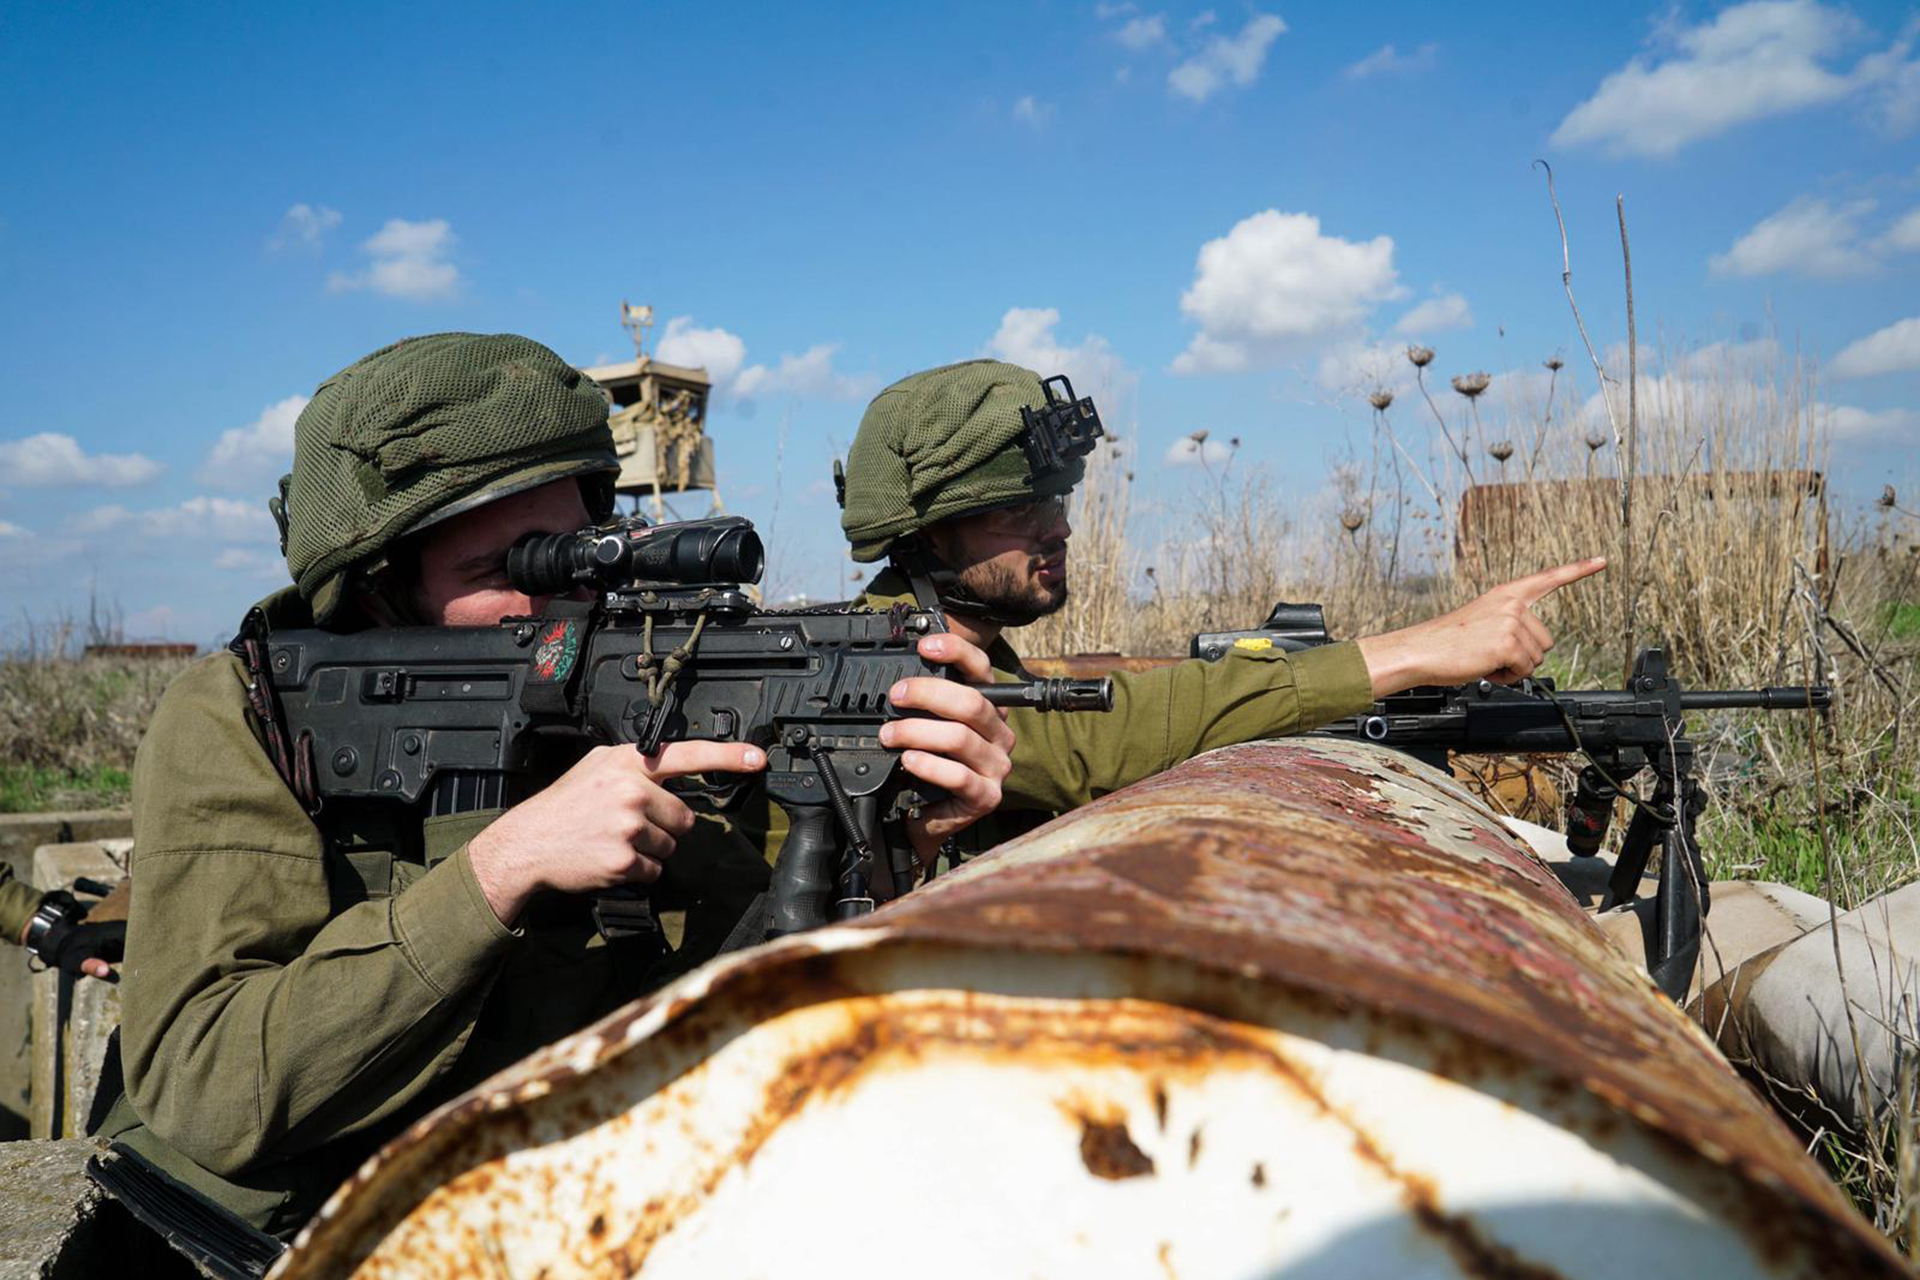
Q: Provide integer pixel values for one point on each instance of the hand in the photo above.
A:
(964, 750)
(85, 949)
(607, 821)
(1496, 637)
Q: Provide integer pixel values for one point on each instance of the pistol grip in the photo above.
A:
(803, 874)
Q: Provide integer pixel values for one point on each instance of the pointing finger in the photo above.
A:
(1540, 585)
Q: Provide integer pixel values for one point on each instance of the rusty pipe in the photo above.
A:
(1289, 1008)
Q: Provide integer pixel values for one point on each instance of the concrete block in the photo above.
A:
(72, 1019)
(55, 1224)
(22, 833)
(47, 1205)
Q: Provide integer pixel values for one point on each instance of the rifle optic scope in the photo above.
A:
(685, 553)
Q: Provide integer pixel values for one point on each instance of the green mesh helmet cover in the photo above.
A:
(424, 427)
(943, 442)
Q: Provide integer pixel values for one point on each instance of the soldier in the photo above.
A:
(53, 926)
(947, 480)
(300, 988)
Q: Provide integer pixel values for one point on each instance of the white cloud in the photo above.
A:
(1386, 60)
(157, 622)
(1904, 235)
(1893, 349)
(198, 518)
(409, 261)
(1274, 281)
(1808, 237)
(1188, 452)
(1227, 60)
(1141, 34)
(1749, 62)
(260, 451)
(1357, 366)
(1849, 423)
(304, 226)
(1030, 110)
(720, 353)
(1107, 12)
(1448, 311)
(50, 460)
(251, 562)
(808, 376)
(8, 530)
(1026, 337)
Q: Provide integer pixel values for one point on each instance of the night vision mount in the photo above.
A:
(1067, 428)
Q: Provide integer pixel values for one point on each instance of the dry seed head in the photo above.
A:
(1198, 437)
(1233, 442)
(1501, 450)
(1471, 385)
(1352, 518)
(1888, 497)
(1381, 399)
(1554, 364)
(1595, 440)
(1421, 356)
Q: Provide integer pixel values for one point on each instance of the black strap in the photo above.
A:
(217, 1241)
(292, 761)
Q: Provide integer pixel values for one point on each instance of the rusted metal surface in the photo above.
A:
(1297, 1008)
(1088, 666)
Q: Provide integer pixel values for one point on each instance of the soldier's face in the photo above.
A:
(462, 576)
(1014, 559)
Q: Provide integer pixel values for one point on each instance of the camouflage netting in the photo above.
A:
(942, 443)
(422, 429)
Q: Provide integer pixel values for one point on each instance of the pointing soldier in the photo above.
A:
(959, 476)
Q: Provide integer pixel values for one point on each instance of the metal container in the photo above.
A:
(1291, 1009)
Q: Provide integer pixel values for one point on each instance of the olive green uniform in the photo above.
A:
(1159, 718)
(295, 993)
(18, 900)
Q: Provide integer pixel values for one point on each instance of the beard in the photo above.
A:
(1020, 600)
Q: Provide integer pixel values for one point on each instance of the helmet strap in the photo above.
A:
(937, 586)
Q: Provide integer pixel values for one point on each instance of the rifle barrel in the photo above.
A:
(1052, 694)
(1793, 697)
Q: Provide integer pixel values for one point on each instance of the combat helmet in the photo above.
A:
(955, 441)
(425, 429)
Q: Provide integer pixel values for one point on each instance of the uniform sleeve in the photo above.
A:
(18, 900)
(1165, 716)
(260, 1020)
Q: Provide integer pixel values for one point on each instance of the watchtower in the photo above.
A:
(658, 420)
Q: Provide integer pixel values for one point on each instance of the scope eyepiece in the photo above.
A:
(685, 553)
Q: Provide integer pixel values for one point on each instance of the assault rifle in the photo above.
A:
(670, 647)
(1621, 732)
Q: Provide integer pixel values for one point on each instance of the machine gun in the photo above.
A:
(1621, 732)
(669, 647)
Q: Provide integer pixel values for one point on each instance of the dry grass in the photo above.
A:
(69, 726)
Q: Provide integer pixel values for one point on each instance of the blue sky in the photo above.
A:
(1228, 218)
